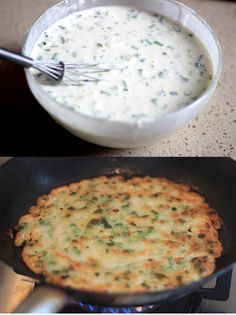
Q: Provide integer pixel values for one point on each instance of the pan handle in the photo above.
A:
(43, 299)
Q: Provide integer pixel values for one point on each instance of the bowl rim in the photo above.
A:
(170, 115)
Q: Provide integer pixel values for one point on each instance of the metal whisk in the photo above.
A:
(69, 73)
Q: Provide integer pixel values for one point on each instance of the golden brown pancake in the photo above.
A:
(115, 235)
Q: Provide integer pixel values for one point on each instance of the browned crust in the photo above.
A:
(202, 237)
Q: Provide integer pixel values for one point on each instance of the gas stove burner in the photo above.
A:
(184, 305)
(191, 303)
(88, 308)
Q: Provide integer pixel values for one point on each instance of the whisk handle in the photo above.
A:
(16, 58)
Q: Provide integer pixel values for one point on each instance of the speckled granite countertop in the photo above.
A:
(212, 133)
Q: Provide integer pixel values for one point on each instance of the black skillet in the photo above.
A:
(22, 180)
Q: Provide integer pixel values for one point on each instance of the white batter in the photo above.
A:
(159, 65)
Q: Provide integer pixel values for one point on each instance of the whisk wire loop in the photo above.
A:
(75, 73)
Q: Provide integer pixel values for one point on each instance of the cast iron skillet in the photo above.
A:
(22, 180)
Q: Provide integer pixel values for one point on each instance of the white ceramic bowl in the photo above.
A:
(122, 134)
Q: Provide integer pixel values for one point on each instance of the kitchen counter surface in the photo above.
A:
(26, 129)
